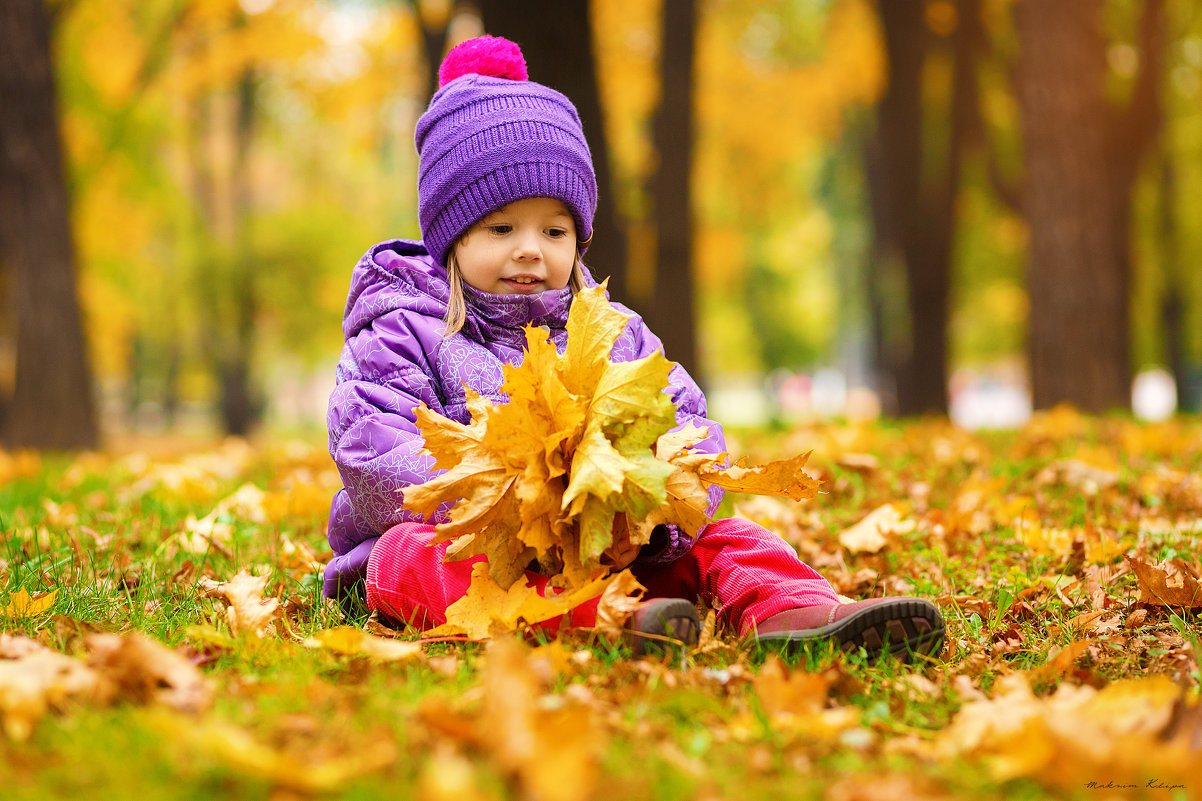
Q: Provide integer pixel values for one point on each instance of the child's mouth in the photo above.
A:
(523, 283)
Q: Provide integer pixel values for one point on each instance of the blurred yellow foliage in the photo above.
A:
(18, 464)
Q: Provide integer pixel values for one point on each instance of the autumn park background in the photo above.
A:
(948, 246)
(902, 203)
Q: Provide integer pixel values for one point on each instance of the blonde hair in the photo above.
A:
(456, 314)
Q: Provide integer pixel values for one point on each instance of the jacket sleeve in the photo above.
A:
(374, 439)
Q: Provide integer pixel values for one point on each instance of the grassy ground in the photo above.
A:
(1064, 557)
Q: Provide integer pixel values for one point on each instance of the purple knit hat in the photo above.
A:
(490, 137)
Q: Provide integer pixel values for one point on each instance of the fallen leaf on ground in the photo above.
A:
(131, 668)
(350, 641)
(859, 462)
(1170, 585)
(555, 753)
(449, 776)
(248, 613)
(1060, 663)
(235, 748)
(873, 532)
(145, 671)
(1078, 474)
(1076, 735)
(790, 692)
(41, 681)
(22, 604)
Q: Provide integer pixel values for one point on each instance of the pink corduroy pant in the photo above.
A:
(737, 567)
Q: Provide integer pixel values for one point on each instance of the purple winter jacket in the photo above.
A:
(396, 356)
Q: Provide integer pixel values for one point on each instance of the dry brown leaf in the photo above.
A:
(144, 671)
(1169, 585)
(248, 612)
(1060, 663)
(120, 667)
(981, 607)
(785, 692)
(1084, 623)
(41, 681)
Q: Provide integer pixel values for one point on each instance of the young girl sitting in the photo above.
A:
(506, 196)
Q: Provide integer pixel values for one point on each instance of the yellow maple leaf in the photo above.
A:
(22, 604)
(350, 641)
(785, 477)
(873, 531)
(488, 609)
(593, 326)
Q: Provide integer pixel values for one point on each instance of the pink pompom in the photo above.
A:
(484, 55)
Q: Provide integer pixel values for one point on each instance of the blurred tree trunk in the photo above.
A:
(913, 203)
(226, 280)
(1172, 305)
(239, 408)
(52, 405)
(1081, 157)
(435, 22)
(557, 40)
(671, 314)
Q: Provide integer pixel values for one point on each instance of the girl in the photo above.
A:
(506, 196)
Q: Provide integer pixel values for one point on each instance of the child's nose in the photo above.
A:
(527, 246)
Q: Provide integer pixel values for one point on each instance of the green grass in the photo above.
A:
(287, 720)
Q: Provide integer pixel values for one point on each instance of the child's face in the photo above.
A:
(526, 247)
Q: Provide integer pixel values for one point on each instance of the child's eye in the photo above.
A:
(557, 233)
(500, 228)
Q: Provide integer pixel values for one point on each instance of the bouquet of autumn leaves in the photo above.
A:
(574, 473)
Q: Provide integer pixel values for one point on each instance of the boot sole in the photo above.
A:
(670, 624)
(902, 628)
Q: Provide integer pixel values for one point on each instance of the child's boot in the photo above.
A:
(663, 623)
(903, 627)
